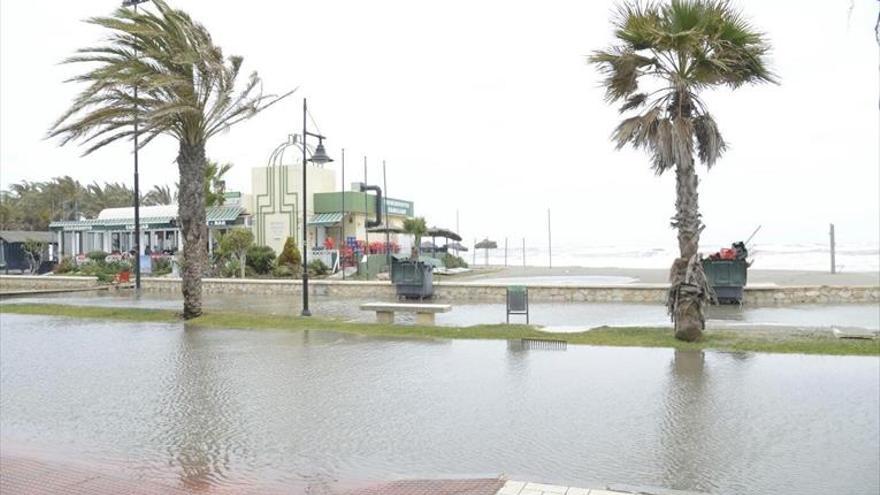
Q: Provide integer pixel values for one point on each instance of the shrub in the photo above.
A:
(287, 271)
(261, 259)
(162, 266)
(453, 261)
(97, 256)
(290, 254)
(237, 242)
(318, 268)
(66, 265)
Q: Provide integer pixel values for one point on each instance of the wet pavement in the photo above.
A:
(215, 410)
(555, 316)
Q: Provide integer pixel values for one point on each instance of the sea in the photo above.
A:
(764, 256)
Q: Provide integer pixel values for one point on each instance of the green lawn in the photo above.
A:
(604, 336)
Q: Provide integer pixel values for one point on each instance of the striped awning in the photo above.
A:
(326, 219)
(214, 215)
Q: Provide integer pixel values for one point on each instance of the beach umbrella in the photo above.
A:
(457, 246)
(487, 245)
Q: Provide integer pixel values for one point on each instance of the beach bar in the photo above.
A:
(113, 229)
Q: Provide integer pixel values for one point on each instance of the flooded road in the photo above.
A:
(223, 408)
(555, 316)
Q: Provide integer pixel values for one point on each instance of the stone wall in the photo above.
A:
(462, 291)
(35, 282)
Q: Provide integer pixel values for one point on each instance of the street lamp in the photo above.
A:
(137, 189)
(320, 157)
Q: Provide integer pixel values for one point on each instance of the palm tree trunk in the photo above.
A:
(193, 224)
(689, 290)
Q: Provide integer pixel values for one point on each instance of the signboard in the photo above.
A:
(399, 207)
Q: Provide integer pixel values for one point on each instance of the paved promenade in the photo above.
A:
(27, 476)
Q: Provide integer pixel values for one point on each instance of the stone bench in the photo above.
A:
(424, 312)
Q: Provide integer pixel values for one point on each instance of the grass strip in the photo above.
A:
(743, 341)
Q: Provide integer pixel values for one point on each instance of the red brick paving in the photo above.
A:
(26, 476)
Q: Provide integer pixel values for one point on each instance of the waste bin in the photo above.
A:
(412, 279)
(727, 278)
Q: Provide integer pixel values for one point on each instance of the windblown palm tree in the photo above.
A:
(160, 195)
(187, 91)
(666, 55)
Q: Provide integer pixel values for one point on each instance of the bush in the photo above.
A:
(162, 266)
(97, 256)
(290, 254)
(261, 259)
(287, 271)
(453, 261)
(66, 265)
(317, 268)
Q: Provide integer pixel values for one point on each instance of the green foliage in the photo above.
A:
(66, 265)
(97, 256)
(261, 259)
(284, 270)
(317, 268)
(236, 243)
(666, 55)
(453, 261)
(290, 254)
(162, 266)
(416, 227)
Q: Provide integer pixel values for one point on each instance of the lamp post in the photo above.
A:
(319, 157)
(137, 189)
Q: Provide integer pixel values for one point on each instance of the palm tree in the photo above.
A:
(215, 185)
(666, 55)
(187, 91)
(160, 195)
(415, 227)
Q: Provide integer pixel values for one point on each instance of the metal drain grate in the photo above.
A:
(544, 344)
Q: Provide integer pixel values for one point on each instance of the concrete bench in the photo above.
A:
(424, 312)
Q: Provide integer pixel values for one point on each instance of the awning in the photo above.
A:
(214, 215)
(326, 219)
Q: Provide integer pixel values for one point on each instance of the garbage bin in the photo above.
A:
(412, 279)
(727, 278)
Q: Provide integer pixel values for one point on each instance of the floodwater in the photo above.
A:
(216, 409)
(556, 316)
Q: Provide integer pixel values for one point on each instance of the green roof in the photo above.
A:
(326, 219)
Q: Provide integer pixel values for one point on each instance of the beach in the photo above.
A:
(590, 275)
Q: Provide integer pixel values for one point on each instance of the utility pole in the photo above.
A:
(342, 243)
(524, 252)
(833, 263)
(385, 215)
(366, 213)
(549, 240)
(505, 252)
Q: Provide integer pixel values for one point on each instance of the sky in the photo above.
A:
(489, 109)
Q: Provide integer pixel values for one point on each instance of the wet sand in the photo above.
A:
(659, 276)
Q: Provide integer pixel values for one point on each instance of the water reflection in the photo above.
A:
(201, 425)
(684, 424)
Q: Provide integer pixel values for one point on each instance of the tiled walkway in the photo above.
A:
(26, 476)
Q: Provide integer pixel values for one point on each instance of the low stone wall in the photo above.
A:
(38, 282)
(462, 291)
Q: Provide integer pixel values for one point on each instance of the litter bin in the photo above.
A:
(412, 279)
(727, 278)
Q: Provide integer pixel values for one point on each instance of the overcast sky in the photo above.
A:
(491, 109)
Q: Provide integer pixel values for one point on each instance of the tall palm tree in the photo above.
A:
(665, 56)
(160, 195)
(187, 91)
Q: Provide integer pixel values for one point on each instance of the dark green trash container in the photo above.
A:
(727, 278)
(412, 279)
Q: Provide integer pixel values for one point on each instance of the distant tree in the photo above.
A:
(666, 55)
(215, 184)
(33, 249)
(236, 242)
(415, 227)
(160, 195)
(187, 91)
(290, 254)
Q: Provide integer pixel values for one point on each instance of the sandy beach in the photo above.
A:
(659, 276)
